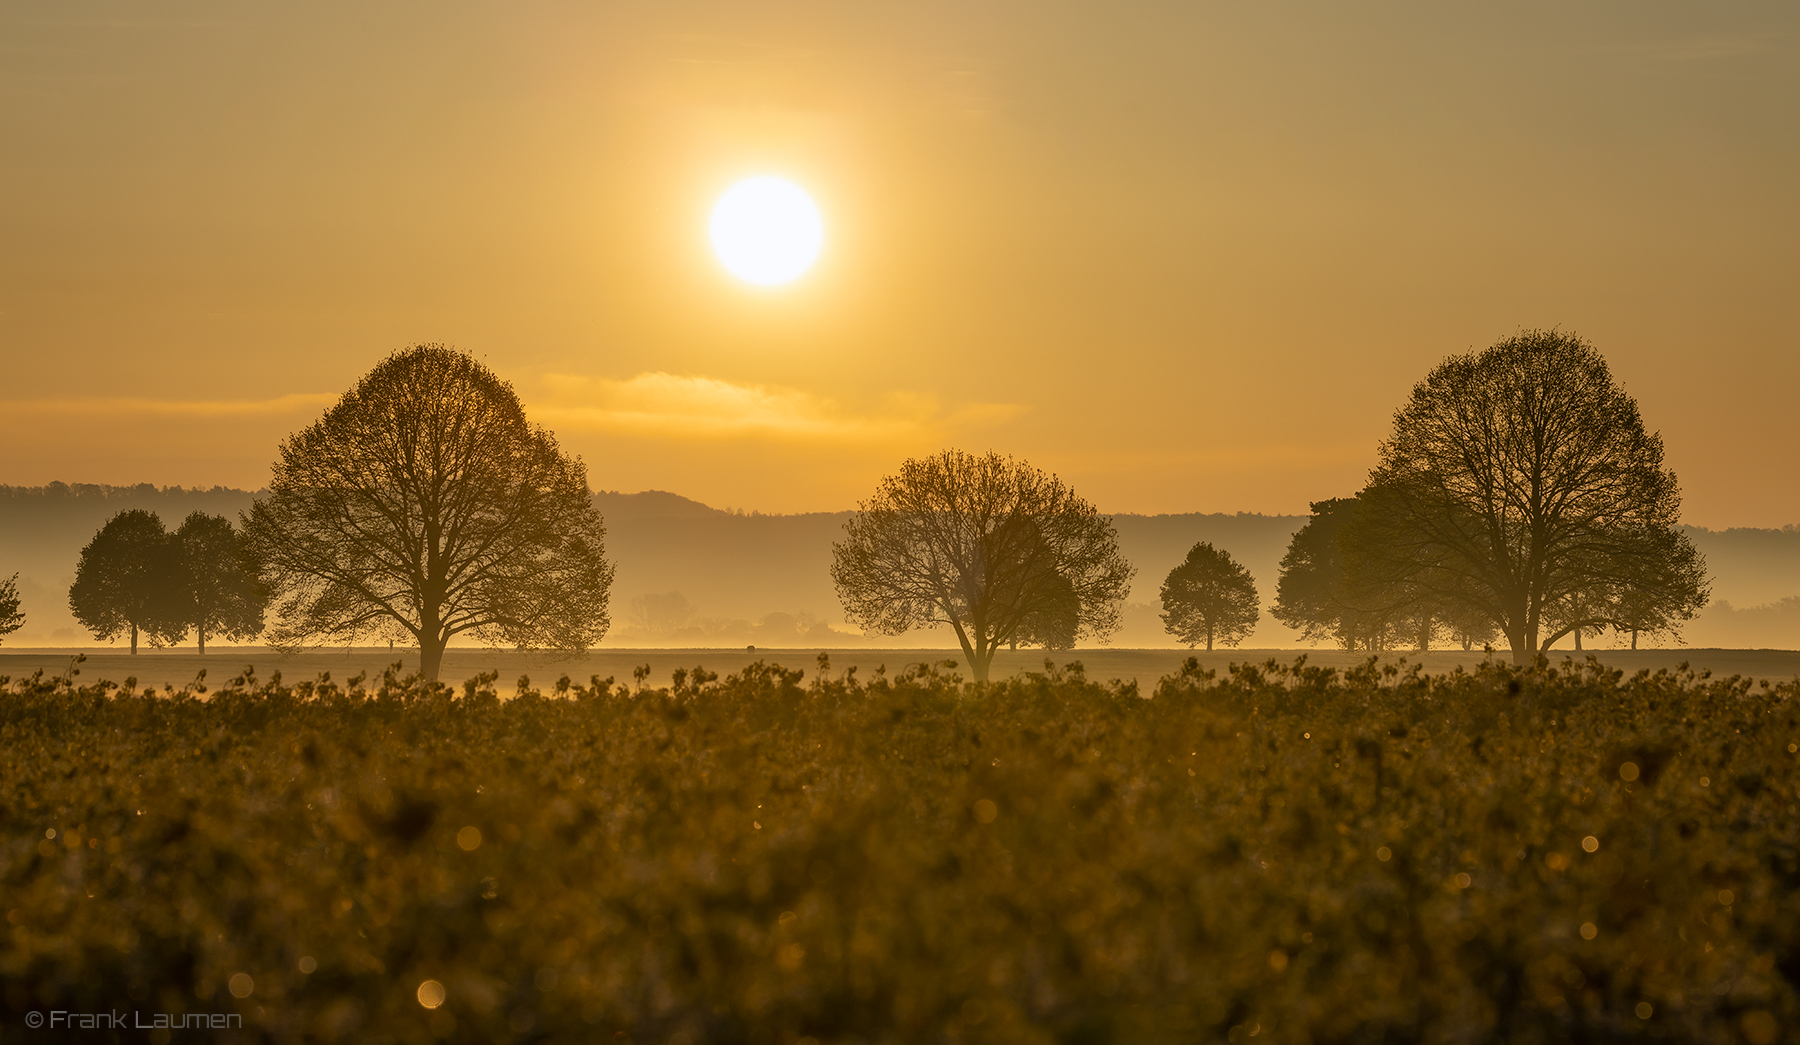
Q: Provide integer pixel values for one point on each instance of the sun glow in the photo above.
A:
(766, 231)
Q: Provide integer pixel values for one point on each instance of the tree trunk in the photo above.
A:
(1578, 640)
(985, 648)
(978, 664)
(431, 633)
(1425, 636)
(134, 640)
(202, 632)
(1520, 626)
(1209, 637)
(1524, 648)
(1634, 638)
(431, 655)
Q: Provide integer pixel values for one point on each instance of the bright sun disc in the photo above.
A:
(766, 231)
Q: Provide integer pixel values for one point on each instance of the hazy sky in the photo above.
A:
(1190, 256)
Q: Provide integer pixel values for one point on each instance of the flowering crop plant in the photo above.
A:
(1284, 853)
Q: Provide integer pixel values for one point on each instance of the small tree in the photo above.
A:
(1209, 597)
(1651, 581)
(11, 617)
(128, 579)
(1660, 588)
(423, 505)
(660, 615)
(221, 592)
(988, 545)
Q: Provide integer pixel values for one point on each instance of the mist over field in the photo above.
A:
(691, 575)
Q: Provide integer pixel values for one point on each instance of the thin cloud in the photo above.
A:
(123, 406)
(687, 407)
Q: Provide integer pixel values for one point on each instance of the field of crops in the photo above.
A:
(1278, 853)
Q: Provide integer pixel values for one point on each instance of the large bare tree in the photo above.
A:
(423, 505)
(1521, 483)
(988, 545)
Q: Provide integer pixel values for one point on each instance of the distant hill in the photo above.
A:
(1751, 567)
(650, 504)
(692, 575)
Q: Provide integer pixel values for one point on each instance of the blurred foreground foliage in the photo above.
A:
(1286, 853)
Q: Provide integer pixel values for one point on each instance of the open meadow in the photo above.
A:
(786, 856)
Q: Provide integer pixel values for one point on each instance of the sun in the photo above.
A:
(767, 231)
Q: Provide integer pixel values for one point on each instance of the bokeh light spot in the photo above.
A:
(431, 994)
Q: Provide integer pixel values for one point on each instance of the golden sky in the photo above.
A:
(1190, 256)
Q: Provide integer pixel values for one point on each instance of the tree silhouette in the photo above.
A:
(1652, 583)
(988, 545)
(1520, 482)
(1659, 589)
(1315, 593)
(1338, 581)
(128, 579)
(11, 617)
(423, 505)
(221, 592)
(1208, 597)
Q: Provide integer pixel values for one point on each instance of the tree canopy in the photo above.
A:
(1209, 597)
(1521, 485)
(128, 579)
(1312, 594)
(1000, 551)
(221, 590)
(1335, 584)
(424, 505)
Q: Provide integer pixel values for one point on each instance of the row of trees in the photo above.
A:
(1519, 496)
(422, 506)
(1007, 555)
(136, 577)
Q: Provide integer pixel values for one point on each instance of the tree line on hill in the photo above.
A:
(1519, 497)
